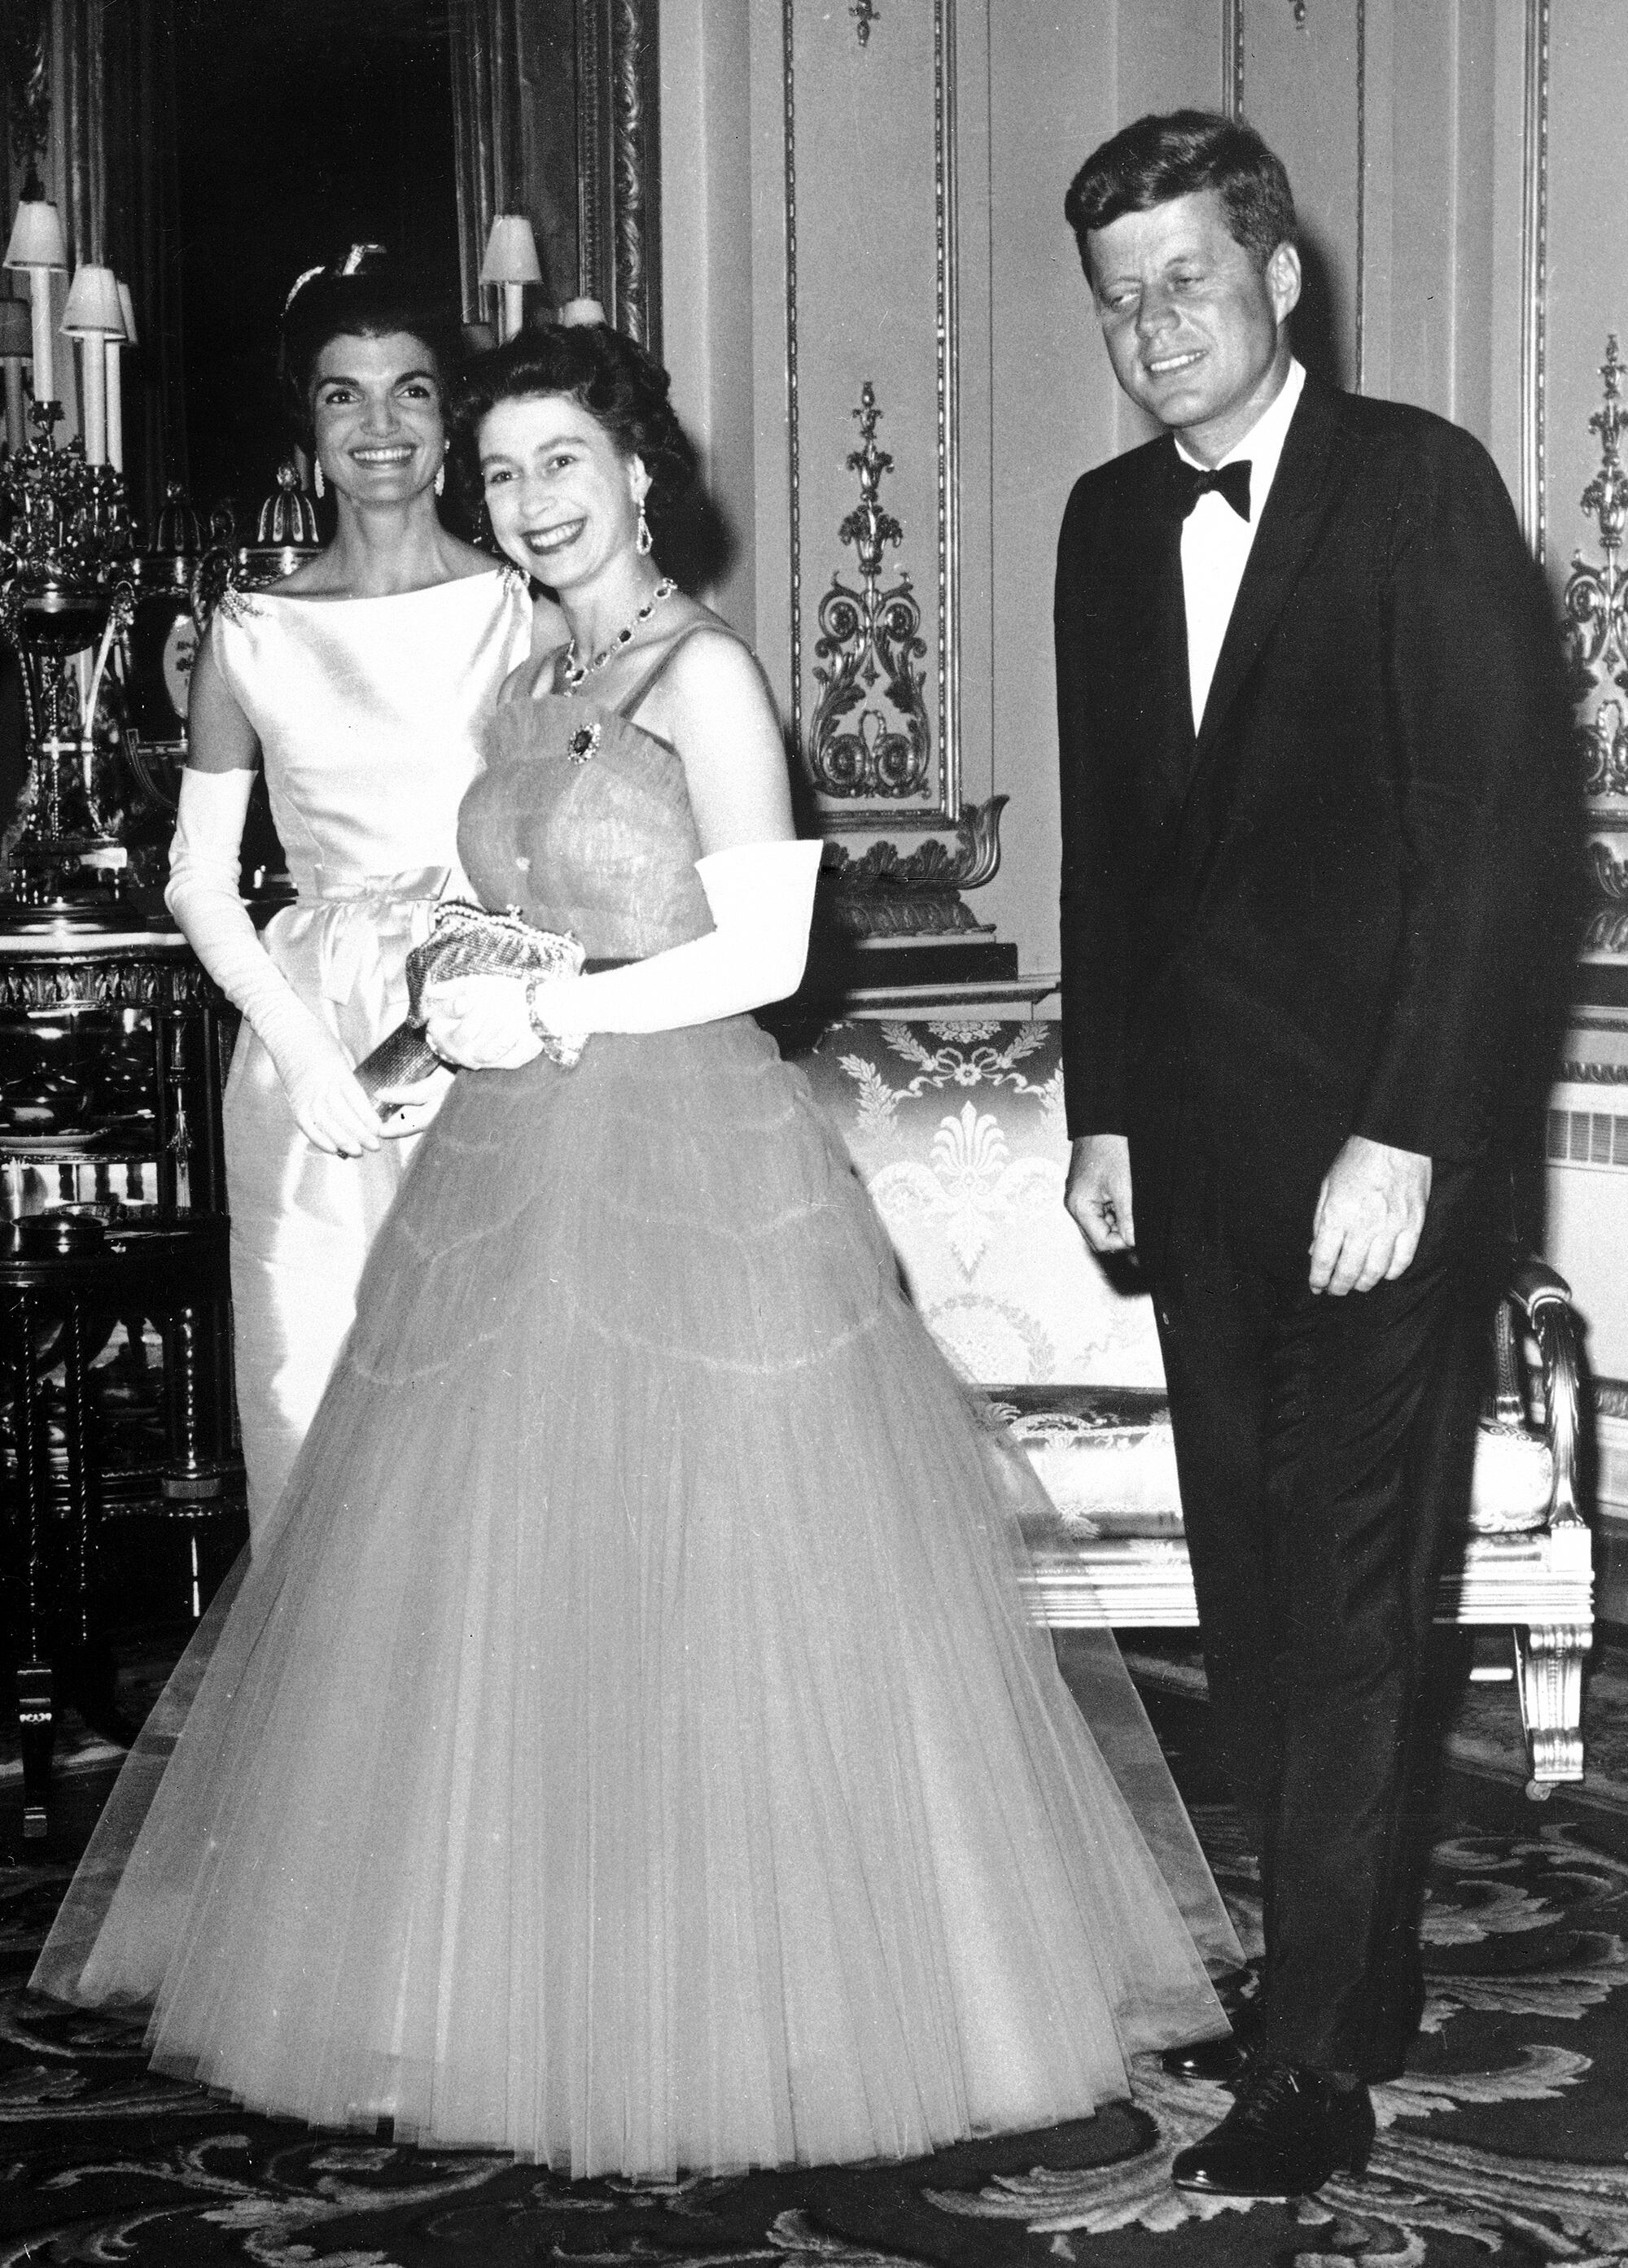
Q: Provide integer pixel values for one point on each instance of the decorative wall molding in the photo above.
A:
(870, 639)
(1596, 603)
(1361, 262)
(884, 893)
(941, 801)
(1575, 1074)
(1535, 280)
(619, 163)
(1232, 58)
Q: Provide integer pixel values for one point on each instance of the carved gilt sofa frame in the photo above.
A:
(955, 1125)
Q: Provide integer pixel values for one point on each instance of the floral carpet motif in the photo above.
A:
(1505, 2141)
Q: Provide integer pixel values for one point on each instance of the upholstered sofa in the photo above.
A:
(956, 1126)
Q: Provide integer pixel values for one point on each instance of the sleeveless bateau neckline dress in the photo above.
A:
(369, 713)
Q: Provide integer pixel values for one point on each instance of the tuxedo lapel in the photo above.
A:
(1302, 493)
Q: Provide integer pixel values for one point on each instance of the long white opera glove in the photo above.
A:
(762, 899)
(329, 1107)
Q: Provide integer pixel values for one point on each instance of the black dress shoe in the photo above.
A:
(1288, 2131)
(1224, 2061)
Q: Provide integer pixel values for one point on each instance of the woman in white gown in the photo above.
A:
(630, 1748)
(364, 682)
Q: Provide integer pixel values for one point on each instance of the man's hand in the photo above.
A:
(1098, 1192)
(1370, 1212)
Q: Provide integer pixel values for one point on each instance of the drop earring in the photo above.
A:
(440, 478)
(317, 480)
(642, 541)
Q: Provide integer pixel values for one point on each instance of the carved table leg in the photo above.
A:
(1549, 1666)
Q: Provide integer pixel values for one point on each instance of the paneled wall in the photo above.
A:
(873, 189)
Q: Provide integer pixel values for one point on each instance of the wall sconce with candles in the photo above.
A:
(95, 317)
(512, 261)
(39, 247)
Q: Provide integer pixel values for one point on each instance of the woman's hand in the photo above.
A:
(330, 1106)
(482, 1023)
(412, 1105)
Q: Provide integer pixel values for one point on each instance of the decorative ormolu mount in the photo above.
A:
(1596, 604)
(868, 637)
(865, 13)
(883, 893)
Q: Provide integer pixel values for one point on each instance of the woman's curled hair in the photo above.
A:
(368, 297)
(620, 386)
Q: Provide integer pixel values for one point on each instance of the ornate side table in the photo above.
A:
(114, 1316)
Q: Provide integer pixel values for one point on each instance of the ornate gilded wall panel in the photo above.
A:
(871, 408)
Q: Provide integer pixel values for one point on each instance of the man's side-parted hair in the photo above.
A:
(1176, 153)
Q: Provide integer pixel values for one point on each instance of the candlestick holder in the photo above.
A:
(65, 589)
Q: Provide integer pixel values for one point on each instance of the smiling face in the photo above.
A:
(376, 413)
(1193, 324)
(562, 498)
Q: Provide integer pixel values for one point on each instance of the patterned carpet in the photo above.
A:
(1505, 2139)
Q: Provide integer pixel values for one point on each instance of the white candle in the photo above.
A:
(112, 349)
(93, 373)
(40, 306)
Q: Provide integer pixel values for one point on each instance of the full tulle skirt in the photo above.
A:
(628, 1747)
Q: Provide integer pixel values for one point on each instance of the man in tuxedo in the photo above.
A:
(1310, 731)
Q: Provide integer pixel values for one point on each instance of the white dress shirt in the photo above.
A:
(1215, 542)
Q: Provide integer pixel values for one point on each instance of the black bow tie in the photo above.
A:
(1189, 483)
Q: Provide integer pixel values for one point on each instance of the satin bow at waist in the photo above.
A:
(347, 937)
(411, 884)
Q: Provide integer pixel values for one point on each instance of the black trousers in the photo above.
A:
(1324, 1448)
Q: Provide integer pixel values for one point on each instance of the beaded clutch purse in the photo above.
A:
(467, 940)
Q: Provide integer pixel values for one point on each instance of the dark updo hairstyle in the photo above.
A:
(610, 375)
(366, 296)
(1178, 153)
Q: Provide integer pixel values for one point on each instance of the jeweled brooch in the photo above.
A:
(583, 743)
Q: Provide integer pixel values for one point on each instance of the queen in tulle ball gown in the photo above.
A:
(628, 1748)
(363, 682)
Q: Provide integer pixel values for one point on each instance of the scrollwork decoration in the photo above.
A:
(870, 637)
(885, 893)
(1607, 929)
(865, 13)
(1596, 603)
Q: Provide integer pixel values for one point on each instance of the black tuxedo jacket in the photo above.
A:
(1311, 918)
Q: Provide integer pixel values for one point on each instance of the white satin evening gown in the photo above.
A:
(369, 713)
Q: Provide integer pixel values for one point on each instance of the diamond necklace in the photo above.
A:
(575, 671)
